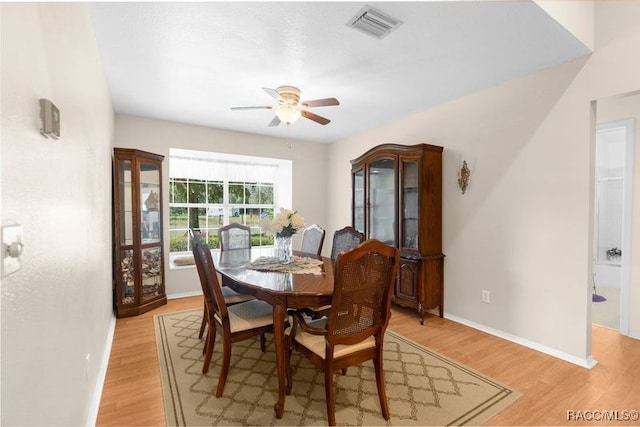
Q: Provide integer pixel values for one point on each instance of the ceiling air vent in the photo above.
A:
(373, 22)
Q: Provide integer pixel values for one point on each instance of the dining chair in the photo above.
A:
(235, 236)
(236, 323)
(345, 239)
(312, 239)
(353, 331)
(230, 296)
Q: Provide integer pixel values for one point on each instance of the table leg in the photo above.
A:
(279, 311)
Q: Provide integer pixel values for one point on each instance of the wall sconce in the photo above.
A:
(463, 177)
(50, 116)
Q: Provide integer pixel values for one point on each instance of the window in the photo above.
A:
(209, 190)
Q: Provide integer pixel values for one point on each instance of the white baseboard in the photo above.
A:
(92, 417)
(634, 336)
(185, 294)
(588, 363)
(94, 407)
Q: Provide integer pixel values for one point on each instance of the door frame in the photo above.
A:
(629, 127)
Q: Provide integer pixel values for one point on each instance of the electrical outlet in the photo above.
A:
(486, 297)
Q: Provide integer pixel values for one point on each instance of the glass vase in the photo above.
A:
(284, 251)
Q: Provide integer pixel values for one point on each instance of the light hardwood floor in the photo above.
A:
(132, 394)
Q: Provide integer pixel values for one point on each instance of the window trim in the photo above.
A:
(281, 193)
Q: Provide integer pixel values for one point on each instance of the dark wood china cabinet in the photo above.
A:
(397, 198)
(137, 216)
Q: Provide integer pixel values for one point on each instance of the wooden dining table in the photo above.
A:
(282, 290)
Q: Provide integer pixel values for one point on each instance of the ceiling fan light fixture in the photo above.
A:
(290, 108)
(288, 113)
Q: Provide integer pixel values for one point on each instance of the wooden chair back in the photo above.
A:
(313, 239)
(213, 298)
(235, 236)
(345, 239)
(363, 285)
(194, 235)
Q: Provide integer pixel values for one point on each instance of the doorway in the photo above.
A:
(612, 149)
(613, 192)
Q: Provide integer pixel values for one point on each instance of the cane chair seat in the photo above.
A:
(318, 344)
(232, 297)
(248, 315)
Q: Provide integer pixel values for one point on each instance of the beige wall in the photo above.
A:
(309, 170)
(57, 309)
(522, 230)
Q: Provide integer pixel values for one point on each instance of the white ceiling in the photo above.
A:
(191, 62)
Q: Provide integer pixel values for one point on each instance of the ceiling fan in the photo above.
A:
(290, 108)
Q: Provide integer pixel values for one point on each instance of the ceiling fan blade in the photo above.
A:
(274, 93)
(316, 118)
(274, 122)
(326, 102)
(265, 107)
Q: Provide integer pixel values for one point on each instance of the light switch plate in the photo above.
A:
(11, 234)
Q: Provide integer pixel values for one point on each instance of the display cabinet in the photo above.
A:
(397, 199)
(137, 214)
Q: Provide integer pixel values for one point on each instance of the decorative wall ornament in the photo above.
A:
(463, 177)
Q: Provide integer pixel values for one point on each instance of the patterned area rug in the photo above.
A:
(423, 387)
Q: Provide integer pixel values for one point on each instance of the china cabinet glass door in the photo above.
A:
(409, 204)
(150, 203)
(382, 218)
(151, 256)
(358, 200)
(127, 262)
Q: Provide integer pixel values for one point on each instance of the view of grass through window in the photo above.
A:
(205, 206)
(208, 190)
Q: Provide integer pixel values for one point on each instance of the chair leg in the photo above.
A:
(288, 371)
(204, 322)
(206, 344)
(382, 393)
(226, 361)
(209, 343)
(329, 396)
(263, 343)
(206, 340)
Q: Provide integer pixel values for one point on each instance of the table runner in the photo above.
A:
(298, 265)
